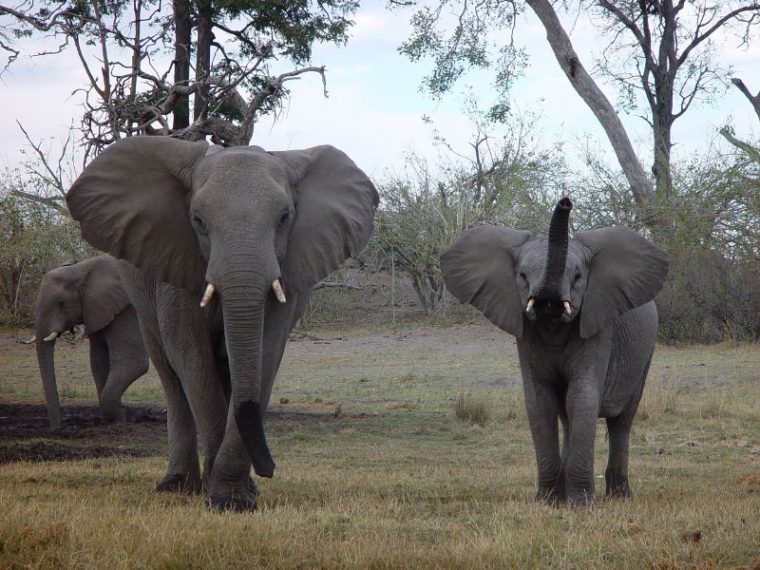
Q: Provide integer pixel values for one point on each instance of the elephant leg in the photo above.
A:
(543, 409)
(582, 407)
(560, 491)
(190, 356)
(99, 361)
(616, 473)
(128, 361)
(183, 472)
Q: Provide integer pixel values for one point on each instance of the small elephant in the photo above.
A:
(222, 248)
(583, 313)
(91, 293)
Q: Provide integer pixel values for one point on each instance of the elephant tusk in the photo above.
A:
(529, 306)
(207, 295)
(31, 340)
(568, 309)
(51, 336)
(278, 292)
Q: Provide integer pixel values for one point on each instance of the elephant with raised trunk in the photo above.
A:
(91, 293)
(583, 313)
(222, 248)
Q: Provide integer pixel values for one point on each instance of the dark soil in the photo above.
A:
(26, 436)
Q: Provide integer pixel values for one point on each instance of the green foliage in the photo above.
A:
(469, 45)
(423, 211)
(290, 28)
(34, 238)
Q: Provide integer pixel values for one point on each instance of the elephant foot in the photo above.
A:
(113, 413)
(552, 494)
(235, 504)
(616, 480)
(581, 500)
(179, 483)
(239, 497)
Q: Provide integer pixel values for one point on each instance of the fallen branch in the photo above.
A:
(335, 285)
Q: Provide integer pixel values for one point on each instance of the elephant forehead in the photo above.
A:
(239, 165)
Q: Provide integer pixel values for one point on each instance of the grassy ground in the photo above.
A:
(374, 470)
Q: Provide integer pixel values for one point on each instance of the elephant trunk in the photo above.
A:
(45, 353)
(556, 256)
(243, 299)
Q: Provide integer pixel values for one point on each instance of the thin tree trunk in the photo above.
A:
(182, 40)
(203, 57)
(584, 85)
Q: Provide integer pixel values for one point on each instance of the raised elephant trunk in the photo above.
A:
(556, 255)
(243, 310)
(45, 353)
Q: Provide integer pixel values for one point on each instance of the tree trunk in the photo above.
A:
(182, 41)
(203, 57)
(584, 85)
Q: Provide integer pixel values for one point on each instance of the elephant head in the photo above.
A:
(595, 277)
(240, 224)
(90, 293)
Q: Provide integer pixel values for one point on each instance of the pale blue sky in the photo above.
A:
(375, 108)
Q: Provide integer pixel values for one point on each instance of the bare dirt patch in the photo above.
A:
(26, 436)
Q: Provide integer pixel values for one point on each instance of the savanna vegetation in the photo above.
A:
(376, 469)
(397, 420)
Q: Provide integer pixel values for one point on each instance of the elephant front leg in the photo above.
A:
(542, 407)
(183, 473)
(582, 409)
(228, 484)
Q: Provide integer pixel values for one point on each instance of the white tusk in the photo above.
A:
(568, 309)
(207, 295)
(31, 340)
(51, 336)
(530, 304)
(278, 292)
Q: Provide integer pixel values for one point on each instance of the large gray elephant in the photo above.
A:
(91, 293)
(585, 321)
(222, 249)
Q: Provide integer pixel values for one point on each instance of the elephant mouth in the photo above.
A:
(539, 308)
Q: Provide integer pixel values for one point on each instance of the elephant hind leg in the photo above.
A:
(99, 361)
(619, 432)
(616, 473)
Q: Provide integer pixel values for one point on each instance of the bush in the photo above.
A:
(472, 411)
(34, 238)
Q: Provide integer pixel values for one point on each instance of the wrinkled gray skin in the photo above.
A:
(579, 365)
(184, 214)
(91, 293)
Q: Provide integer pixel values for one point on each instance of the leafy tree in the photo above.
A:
(128, 50)
(663, 49)
(506, 179)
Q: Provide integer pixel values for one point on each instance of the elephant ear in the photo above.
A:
(103, 294)
(626, 270)
(132, 202)
(479, 269)
(335, 206)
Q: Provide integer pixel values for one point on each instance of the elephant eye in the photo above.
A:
(283, 218)
(199, 223)
(523, 276)
(577, 278)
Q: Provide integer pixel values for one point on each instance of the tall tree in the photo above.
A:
(128, 53)
(663, 49)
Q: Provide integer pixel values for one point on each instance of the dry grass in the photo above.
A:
(475, 411)
(410, 486)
